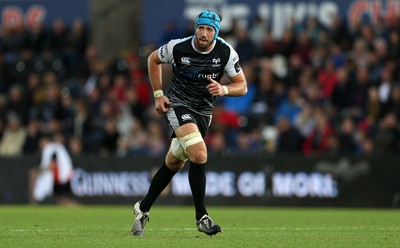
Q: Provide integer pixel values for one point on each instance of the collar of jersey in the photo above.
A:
(197, 50)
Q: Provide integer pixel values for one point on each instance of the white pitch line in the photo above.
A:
(227, 229)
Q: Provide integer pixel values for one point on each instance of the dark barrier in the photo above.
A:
(245, 180)
(233, 180)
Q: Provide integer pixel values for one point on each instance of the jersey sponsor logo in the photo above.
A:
(197, 74)
(163, 51)
(216, 62)
(238, 68)
(185, 60)
(186, 117)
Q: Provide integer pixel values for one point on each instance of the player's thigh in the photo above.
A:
(191, 139)
(186, 129)
(197, 152)
(190, 132)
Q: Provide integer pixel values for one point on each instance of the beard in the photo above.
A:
(202, 43)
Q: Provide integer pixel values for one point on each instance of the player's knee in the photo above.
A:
(198, 156)
(174, 164)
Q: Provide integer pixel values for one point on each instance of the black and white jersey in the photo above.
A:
(191, 67)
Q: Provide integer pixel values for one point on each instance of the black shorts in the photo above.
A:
(62, 189)
(179, 116)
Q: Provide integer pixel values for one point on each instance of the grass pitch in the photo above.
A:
(109, 226)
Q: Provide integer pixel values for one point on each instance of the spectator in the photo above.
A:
(385, 88)
(312, 94)
(303, 48)
(367, 147)
(93, 102)
(387, 137)
(157, 141)
(35, 93)
(17, 103)
(313, 29)
(333, 147)
(374, 108)
(289, 138)
(327, 79)
(37, 37)
(5, 80)
(13, 40)
(248, 142)
(257, 31)
(33, 135)
(360, 54)
(305, 121)
(291, 106)
(217, 144)
(13, 138)
(269, 47)
(98, 75)
(244, 46)
(359, 92)
(51, 109)
(57, 38)
(317, 142)
(76, 43)
(339, 32)
(339, 58)
(75, 147)
(3, 107)
(108, 143)
(295, 69)
(394, 44)
(80, 125)
(395, 101)
(342, 94)
(118, 91)
(137, 140)
(346, 139)
(286, 43)
(266, 99)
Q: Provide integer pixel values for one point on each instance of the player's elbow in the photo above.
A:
(244, 90)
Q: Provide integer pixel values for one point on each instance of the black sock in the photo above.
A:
(197, 181)
(160, 180)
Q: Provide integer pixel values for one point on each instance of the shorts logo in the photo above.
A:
(186, 117)
(185, 60)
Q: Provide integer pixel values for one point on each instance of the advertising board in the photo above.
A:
(242, 181)
(31, 13)
(278, 14)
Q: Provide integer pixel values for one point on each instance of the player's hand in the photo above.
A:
(161, 104)
(214, 87)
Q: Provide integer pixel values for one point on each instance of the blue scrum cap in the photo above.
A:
(209, 18)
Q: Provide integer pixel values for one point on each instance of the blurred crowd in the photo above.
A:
(316, 90)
